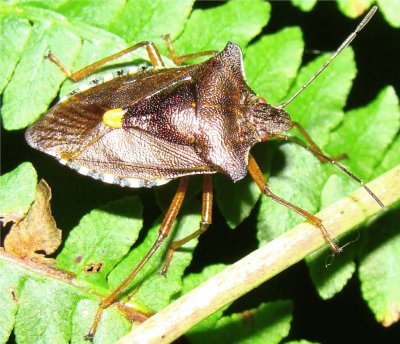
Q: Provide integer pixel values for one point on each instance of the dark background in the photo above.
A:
(344, 319)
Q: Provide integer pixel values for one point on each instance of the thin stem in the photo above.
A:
(264, 263)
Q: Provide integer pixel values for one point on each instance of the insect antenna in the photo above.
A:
(343, 46)
(335, 163)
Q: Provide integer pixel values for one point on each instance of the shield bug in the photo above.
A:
(145, 128)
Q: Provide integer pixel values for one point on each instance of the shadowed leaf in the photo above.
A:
(379, 273)
(102, 238)
(269, 323)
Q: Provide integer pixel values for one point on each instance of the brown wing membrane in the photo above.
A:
(139, 155)
(74, 131)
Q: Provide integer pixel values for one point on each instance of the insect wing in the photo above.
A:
(74, 132)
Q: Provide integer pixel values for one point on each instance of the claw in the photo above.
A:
(163, 272)
(89, 337)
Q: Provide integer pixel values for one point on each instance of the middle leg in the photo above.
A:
(258, 177)
(178, 60)
(206, 219)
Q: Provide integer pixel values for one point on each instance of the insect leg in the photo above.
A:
(164, 230)
(323, 158)
(258, 177)
(206, 219)
(154, 56)
(314, 146)
(180, 59)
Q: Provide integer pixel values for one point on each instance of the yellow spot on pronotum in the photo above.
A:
(113, 118)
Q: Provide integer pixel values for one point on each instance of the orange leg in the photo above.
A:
(154, 56)
(323, 158)
(180, 59)
(258, 177)
(314, 146)
(164, 230)
(206, 219)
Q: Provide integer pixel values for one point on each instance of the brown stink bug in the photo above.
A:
(145, 128)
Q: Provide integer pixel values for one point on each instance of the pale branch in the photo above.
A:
(264, 263)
